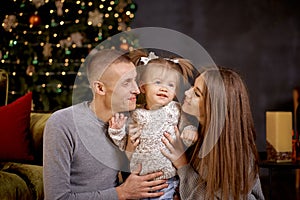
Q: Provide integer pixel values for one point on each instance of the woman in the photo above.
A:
(223, 164)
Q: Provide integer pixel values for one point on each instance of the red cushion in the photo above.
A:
(14, 129)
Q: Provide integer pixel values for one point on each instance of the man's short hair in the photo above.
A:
(98, 62)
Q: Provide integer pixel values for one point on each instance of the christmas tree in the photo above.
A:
(44, 42)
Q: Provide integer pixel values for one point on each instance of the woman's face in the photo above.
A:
(194, 100)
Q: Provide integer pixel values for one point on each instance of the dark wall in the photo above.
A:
(258, 38)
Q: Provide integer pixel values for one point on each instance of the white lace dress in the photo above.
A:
(148, 152)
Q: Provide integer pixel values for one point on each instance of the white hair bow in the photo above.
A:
(151, 56)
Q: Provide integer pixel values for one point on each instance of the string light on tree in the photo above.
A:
(44, 42)
(35, 19)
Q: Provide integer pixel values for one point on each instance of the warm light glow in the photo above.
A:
(110, 27)
(90, 3)
(46, 26)
(128, 12)
(106, 15)
(42, 44)
(47, 73)
(61, 23)
(101, 6)
(116, 15)
(51, 11)
(77, 2)
(43, 85)
(63, 73)
(67, 10)
(79, 12)
(77, 21)
(90, 23)
(55, 35)
(112, 3)
(109, 8)
(40, 32)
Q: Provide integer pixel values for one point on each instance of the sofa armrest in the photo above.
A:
(37, 124)
(25, 178)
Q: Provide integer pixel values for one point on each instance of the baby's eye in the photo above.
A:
(157, 82)
(172, 85)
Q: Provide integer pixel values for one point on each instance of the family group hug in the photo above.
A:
(157, 127)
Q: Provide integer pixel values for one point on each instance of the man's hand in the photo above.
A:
(176, 149)
(137, 187)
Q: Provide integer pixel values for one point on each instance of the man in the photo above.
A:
(80, 162)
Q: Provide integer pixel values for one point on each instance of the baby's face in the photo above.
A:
(159, 86)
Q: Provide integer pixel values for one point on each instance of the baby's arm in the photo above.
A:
(189, 135)
(117, 130)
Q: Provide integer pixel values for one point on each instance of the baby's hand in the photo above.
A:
(189, 135)
(117, 121)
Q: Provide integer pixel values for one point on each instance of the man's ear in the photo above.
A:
(99, 87)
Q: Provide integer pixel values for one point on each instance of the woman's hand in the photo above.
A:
(176, 148)
(136, 186)
(189, 135)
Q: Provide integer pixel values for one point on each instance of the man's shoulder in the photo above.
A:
(66, 113)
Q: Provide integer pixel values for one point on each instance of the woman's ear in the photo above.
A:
(99, 87)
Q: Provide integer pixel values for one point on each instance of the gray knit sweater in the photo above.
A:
(80, 162)
(192, 186)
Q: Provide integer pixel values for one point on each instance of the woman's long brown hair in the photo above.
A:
(231, 166)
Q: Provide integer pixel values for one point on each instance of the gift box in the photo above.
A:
(279, 136)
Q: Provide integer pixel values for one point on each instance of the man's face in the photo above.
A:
(121, 88)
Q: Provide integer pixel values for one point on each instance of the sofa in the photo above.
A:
(23, 179)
